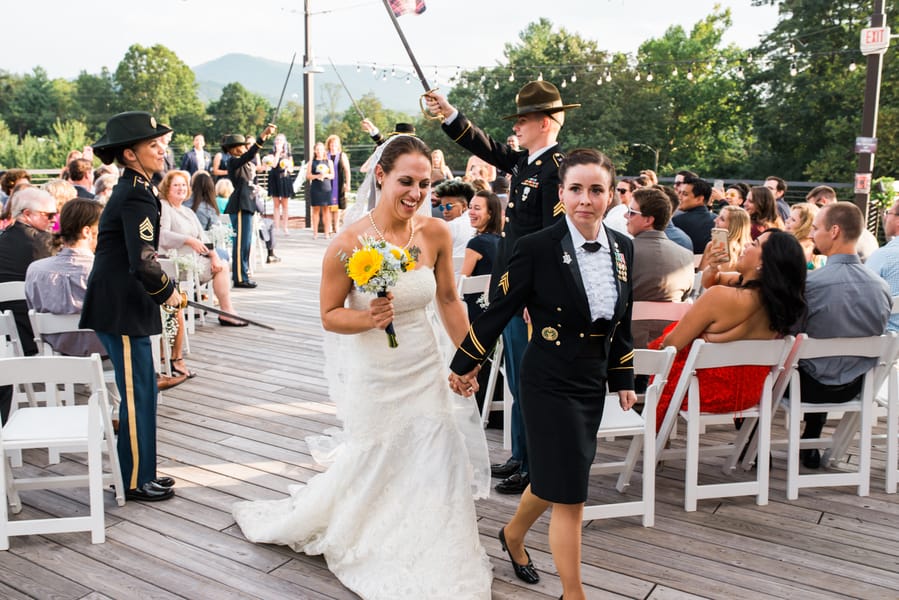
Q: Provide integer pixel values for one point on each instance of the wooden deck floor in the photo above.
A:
(236, 432)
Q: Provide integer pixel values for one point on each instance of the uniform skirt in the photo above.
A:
(561, 406)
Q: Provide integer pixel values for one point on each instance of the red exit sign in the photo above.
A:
(874, 40)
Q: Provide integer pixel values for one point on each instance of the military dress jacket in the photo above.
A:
(543, 275)
(241, 172)
(127, 284)
(533, 192)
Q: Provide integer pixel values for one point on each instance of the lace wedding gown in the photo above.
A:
(394, 513)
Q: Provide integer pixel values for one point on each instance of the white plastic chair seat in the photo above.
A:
(476, 284)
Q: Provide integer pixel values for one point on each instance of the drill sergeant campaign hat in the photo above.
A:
(124, 130)
(539, 97)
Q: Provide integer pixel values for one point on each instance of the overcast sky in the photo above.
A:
(65, 37)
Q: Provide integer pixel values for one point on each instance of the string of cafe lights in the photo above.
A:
(599, 73)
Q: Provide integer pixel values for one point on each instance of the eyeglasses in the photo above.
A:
(631, 212)
(447, 207)
(623, 190)
(50, 215)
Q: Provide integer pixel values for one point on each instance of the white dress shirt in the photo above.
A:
(596, 272)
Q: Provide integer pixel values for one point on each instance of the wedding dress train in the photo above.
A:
(394, 513)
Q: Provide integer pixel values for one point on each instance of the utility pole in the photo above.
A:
(866, 146)
(308, 107)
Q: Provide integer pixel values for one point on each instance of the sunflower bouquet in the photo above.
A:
(375, 267)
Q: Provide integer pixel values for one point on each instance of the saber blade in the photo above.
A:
(415, 65)
(229, 315)
(346, 89)
(283, 89)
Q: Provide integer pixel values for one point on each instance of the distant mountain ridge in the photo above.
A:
(266, 77)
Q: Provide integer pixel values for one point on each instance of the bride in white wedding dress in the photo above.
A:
(394, 513)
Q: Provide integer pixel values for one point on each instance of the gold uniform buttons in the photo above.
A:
(581, 334)
(558, 309)
(507, 219)
(511, 205)
(558, 343)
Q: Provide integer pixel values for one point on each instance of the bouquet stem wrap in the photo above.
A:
(391, 332)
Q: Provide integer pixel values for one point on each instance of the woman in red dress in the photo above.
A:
(760, 301)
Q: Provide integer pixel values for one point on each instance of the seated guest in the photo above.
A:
(663, 271)
(9, 180)
(103, 187)
(762, 211)
(223, 190)
(62, 191)
(736, 221)
(454, 198)
(844, 300)
(179, 229)
(26, 240)
(673, 232)
(695, 218)
(799, 224)
(762, 300)
(57, 284)
(202, 200)
(81, 175)
(616, 215)
(885, 260)
(485, 216)
(823, 195)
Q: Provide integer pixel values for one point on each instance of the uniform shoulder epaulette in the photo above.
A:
(558, 157)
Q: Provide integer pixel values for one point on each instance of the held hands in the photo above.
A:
(381, 312)
(626, 399)
(465, 385)
(438, 105)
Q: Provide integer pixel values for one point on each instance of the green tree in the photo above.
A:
(96, 98)
(32, 108)
(807, 123)
(154, 79)
(238, 111)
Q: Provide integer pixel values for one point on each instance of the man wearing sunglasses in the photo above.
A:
(28, 239)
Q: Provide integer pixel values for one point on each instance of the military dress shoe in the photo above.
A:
(166, 482)
(811, 458)
(150, 492)
(513, 484)
(503, 470)
(249, 283)
(527, 572)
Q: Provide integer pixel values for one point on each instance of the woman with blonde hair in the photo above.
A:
(737, 223)
(800, 225)
(438, 161)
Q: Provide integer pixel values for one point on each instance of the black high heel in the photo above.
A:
(527, 573)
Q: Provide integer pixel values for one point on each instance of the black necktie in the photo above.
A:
(591, 246)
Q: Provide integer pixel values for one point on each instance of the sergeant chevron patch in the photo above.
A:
(145, 230)
(558, 209)
(504, 282)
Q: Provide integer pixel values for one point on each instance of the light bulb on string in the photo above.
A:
(690, 73)
(511, 76)
(793, 70)
(496, 84)
(483, 78)
(540, 76)
(393, 71)
(740, 74)
(852, 66)
(599, 81)
(384, 75)
(573, 77)
(637, 76)
(564, 83)
(674, 71)
(374, 68)
(608, 75)
(649, 76)
(358, 67)
(408, 79)
(792, 49)
(590, 68)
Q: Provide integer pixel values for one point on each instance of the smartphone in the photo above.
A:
(209, 245)
(719, 236)
(719, 184)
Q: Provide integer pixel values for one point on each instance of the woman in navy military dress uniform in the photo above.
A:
(573, 279)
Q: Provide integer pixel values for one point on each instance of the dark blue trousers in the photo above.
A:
(242, 223)
(515, 339)
(135, 376)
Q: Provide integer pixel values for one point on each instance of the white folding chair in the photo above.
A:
(703, 355)
(457, 263)
(641, 427)
(10, 346)
(12, 290)
(889, 403)
(477, 284)
(878, 347)
(82, 428)
(497, 368)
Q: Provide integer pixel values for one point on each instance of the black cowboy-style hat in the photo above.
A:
(231, 140)
(126, 129)
(539, 96)
(407, 128)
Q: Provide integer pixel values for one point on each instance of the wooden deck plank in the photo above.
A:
(237, 431)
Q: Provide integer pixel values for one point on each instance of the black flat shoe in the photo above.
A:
(166, 482)
(225, 323)
(513, 484)
(249, 283)
(811, 458)
(503, 470)
(527, 573)
(150, 492)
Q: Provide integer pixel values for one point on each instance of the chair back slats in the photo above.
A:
(12, 290)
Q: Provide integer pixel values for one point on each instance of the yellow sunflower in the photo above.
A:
(397, 253)
(363, 265)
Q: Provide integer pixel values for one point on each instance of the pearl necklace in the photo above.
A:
(371, 220)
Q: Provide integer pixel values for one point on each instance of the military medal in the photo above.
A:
(620, 265)
(566, 258)
(524, 194)
(549, 334)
